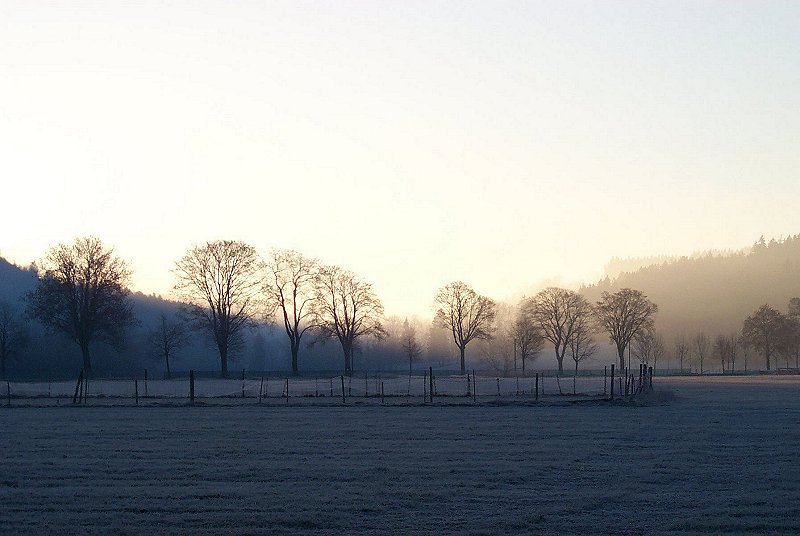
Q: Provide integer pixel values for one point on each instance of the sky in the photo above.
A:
(507, 144)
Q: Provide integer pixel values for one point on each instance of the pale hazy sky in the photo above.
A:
(501, 143)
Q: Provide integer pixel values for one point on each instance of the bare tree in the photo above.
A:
(659, 349)
(581, 342)
(733, 350)
(13, 336)
(721, 350)
(82, 293)
(745, 346)
(791, 340)
(528, 337)
(681, 350)
(642, 346)
(624, 314)
(220, 284)
(467, 315)
(411, 347)
(762, 330)
(700, 345)
(167, 338)
(558, 312)
(648, 347)
(290, 289)
(347, 308)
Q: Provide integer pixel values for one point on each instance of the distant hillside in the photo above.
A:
(714, 292)
(15, 282)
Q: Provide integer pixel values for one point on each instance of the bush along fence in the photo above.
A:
(427, 387)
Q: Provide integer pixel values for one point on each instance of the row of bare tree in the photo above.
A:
(561, 316)
(225, 287)
(767, 331)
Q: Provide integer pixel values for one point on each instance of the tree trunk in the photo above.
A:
(621, 354)
(87, 362)
(767, 356)
(347, 349)
(462, 349)
(295, 346)
(169, 374)
(223, 360)
(575, 378)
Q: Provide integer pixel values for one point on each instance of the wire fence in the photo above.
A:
(365, 388)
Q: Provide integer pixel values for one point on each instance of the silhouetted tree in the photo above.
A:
(700, 346)
(642, 346)
(789, 343)
(581, 342)
(167, 338)
(681, 350)
(411, 347)
(347, 308)
(733, 350)
(13, 336)
(557, 312)
(624, 314)
(464, 312)
(527, 337)
(763, 329)
(721, 350)
(745, 346)
(659, 349)
(220, 283)
(82, 293)
(290, 289)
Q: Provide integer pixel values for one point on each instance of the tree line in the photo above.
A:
(225, 288)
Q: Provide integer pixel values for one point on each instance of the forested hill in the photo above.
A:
(714, 292)
(15, 282)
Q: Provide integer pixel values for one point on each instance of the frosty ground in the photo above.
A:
(719, 456)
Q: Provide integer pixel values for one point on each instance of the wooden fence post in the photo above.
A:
(430, 386)
(343, 399)
(537, 387)
(474, 387)
(8, 391)
(287, 390)
(498, 386)
(469, 385)
(381, 392)
(332, 387)
(605, 380)
(145, 383)
(77, 385)
(612, 382)
(260, 389)
(650, 375)
(191, 386)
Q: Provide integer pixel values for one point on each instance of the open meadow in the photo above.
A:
(702, 455)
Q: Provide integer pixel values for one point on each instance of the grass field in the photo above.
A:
(710, 455)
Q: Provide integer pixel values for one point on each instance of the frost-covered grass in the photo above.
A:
(305, 391)
(721, 456)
